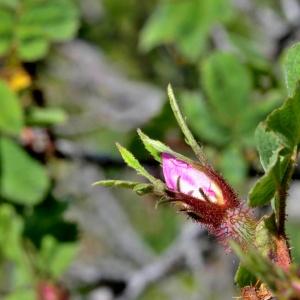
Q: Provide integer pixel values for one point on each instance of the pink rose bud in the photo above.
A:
(207, 198)
(50, 291)
(190, 181)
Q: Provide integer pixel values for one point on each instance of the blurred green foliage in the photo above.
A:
(28, 27)
(30, 264)
(23, 179)
(186, 24)
(11, 118)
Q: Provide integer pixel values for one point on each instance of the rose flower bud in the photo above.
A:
(190, 180)
(195, 188)
(208, 199)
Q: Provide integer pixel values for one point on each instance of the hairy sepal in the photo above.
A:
(137, 187)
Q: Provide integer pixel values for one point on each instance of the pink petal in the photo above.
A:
(190, 179)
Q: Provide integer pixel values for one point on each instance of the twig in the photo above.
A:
(171, 260)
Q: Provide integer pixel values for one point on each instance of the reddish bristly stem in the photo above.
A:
(282, 193)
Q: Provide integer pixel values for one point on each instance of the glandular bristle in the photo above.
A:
(237, 225)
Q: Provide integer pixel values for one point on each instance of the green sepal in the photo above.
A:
(160, 147)
(264, 237)
(152, 150)
(178, 184)
(188, 135)
(144, 188)
(134, 163)
(117, 183)
(137, 187)
(158, 200)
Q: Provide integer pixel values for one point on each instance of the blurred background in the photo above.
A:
(76, 76)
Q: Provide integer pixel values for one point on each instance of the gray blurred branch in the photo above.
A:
(171, 260)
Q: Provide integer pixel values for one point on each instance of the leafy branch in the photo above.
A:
(278, 144)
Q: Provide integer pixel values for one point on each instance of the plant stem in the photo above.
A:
(282, 193)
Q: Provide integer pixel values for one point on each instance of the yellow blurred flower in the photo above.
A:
(18, 79)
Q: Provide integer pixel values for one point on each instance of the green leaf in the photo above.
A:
(58, 19)
(165, 23)
(57, 256)
(9, 3)
(12, 4)
(283, 283)
(228, 83)
(292, 68)
(11, 117)
(21, 294)
(6, 33)
(201, 121)
(117, 183)
(258, 265)
(268, 146)
(185, 23)
(24, 180)
(263, 191)
(133, 163)
(11, 229)
(244, 277)
(5, 44)
(285, 121)
(11, 244)
(251, 50)
(155, 153)
(38, 23)
(254, 114)
(143, 189)
(62, 258)
(188, 135)
(45, 116)
(266, 187)
(193, 44)
(47, 249)
(235, 172)
(33, 44)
